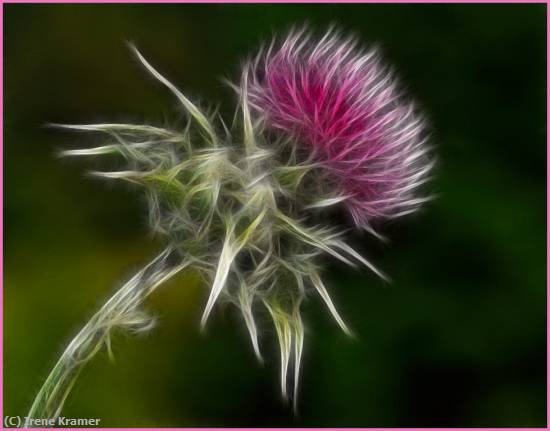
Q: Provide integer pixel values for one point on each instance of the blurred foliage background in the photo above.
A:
(458, 339)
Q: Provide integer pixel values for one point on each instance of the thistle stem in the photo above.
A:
(121, 311)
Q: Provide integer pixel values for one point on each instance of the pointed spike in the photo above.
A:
(285, 357)
(283, 336)
(224, 265)
(110, 127)
(352, 252)
(246, 310)
(248, 128)
(298, 350)
(318, 284)
(187, 104)
(105, 149)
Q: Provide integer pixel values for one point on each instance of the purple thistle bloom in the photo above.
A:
(343, 105)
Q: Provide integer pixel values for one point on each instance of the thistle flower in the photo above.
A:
(341, 103)
(316, 126)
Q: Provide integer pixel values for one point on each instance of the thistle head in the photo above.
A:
(235, 204)
(344, 109)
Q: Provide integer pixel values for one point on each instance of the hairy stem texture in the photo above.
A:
(122, 311)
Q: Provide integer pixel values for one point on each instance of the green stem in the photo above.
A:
(121, 311)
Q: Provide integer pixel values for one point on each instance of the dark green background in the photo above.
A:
(458, 339)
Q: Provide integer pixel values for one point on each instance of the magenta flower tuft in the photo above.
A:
(344, 105)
